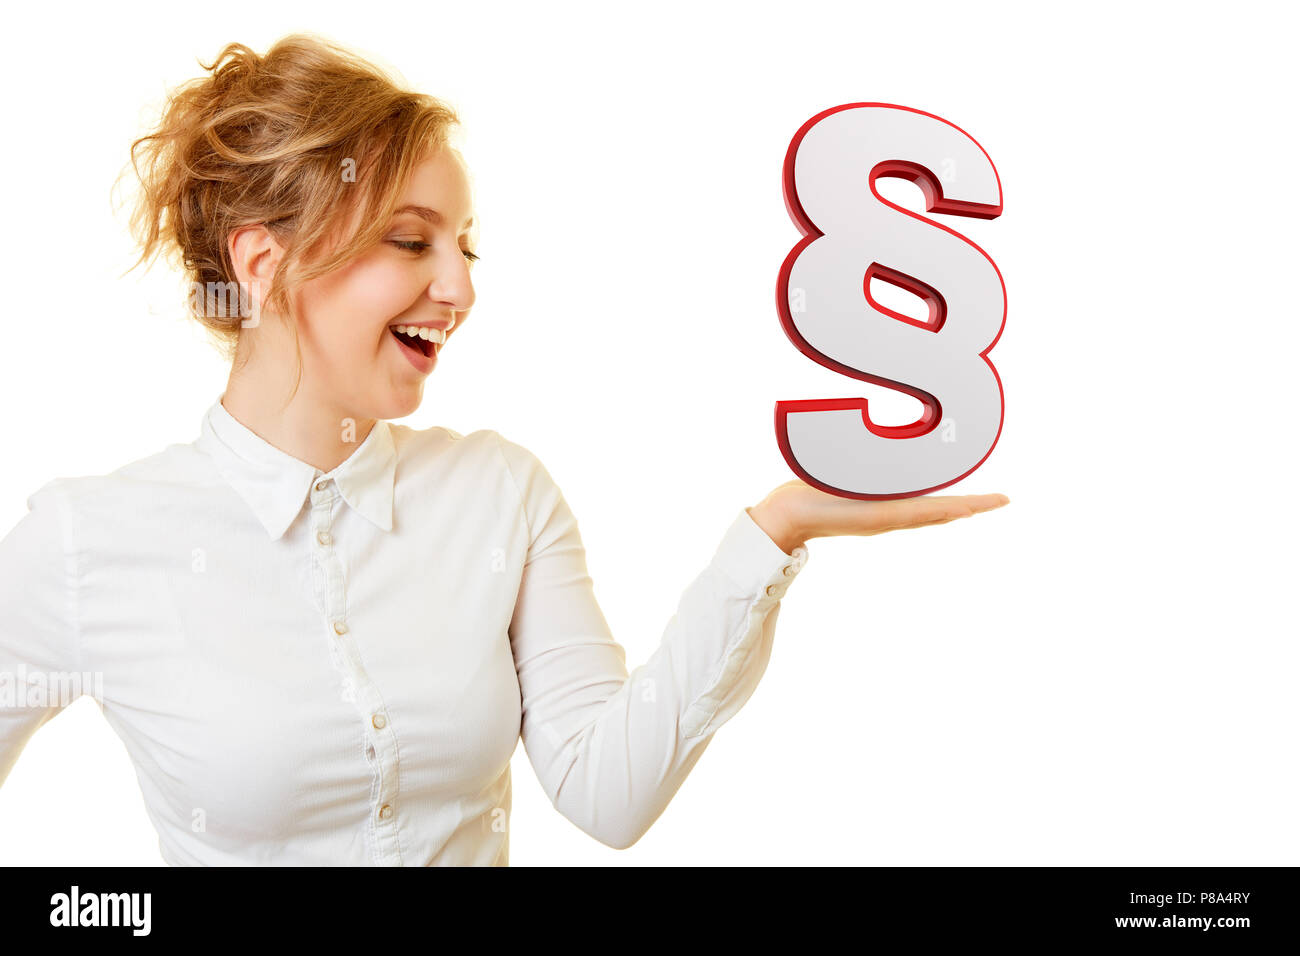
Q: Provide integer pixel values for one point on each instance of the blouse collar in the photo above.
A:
(275, 484)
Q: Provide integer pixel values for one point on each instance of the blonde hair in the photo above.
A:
(298, 139)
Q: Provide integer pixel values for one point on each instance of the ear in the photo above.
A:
(255, 254)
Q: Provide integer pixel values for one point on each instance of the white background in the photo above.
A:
(1101, 673)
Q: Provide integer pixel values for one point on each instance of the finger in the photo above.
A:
(976, 502)
(961, 506)
(910, 512)
(938, 509)
(913, 524)
(987, 502)
(924, 524)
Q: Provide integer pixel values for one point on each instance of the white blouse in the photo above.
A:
(345, 683)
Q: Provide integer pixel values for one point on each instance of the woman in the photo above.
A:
(320, 635)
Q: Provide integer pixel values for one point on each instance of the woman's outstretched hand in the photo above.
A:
(795, 511)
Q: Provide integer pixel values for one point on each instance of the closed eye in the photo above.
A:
(419, 247)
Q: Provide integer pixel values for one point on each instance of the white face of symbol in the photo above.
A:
(832, 318)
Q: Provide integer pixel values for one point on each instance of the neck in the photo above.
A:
(311, 427)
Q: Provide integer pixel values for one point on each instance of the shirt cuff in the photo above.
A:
(757, 572)
(754, 562)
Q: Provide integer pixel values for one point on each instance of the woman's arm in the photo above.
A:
(40, 668)
(611, 749)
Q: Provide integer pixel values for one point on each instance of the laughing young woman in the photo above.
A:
(321, 635)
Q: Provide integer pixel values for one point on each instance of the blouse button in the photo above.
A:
(771, 589)
(320, 486)
(340, 627)
(379, 721)
(323, 537)
(787, 570)
(385, 812)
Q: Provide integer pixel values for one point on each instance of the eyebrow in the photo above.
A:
(429, 215)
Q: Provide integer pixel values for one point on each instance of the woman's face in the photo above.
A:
(419, 275)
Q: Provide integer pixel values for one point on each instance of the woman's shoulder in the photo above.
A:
(483, 446)
(441, 439)
(140, 483)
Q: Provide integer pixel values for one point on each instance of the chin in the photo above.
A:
(399, 404)
(402, 409)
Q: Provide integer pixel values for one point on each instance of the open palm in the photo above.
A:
(795, 511)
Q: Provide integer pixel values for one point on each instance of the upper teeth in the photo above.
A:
(432, 335)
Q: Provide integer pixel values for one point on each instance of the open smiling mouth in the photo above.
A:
(409, 337)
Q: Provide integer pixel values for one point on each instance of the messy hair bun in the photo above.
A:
(299, 139)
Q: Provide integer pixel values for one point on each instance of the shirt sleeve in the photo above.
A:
(611, 749)
(39, 659)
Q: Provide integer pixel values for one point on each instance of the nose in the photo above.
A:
(453, 292)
